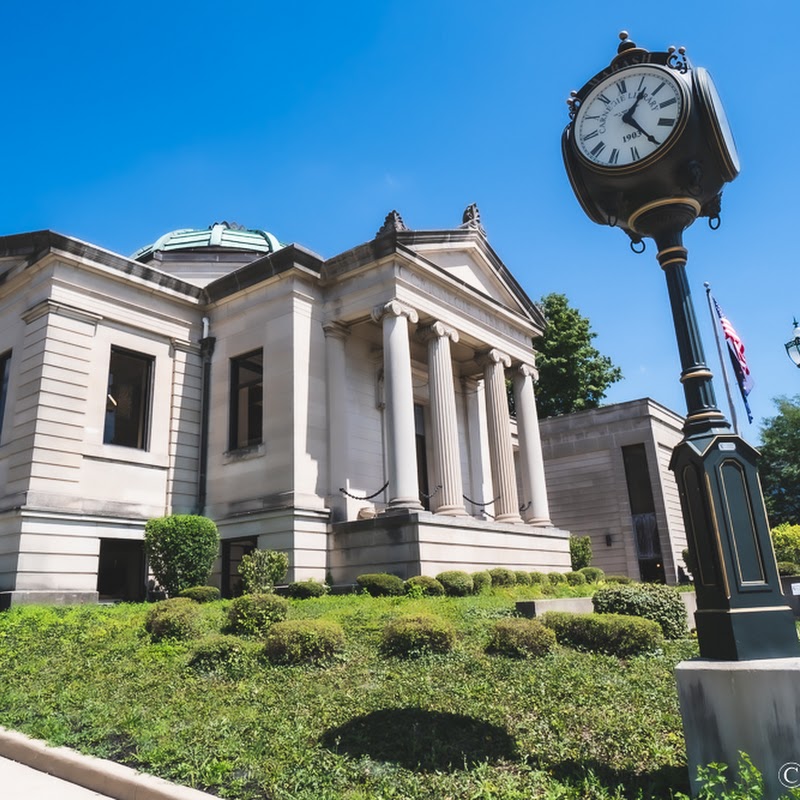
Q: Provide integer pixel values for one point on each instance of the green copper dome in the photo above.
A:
(220, 235)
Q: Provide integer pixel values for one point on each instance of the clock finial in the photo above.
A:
(625, 43)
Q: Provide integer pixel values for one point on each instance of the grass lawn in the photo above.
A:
(465, 726)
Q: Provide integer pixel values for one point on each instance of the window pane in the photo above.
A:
(247, 374)
(128, 399)
(5, 369)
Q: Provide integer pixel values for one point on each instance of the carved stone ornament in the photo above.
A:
(472, 218)
(392, 224)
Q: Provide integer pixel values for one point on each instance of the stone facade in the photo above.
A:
(350, 411)
(608, 477)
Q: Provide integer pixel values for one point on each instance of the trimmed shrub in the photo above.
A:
(575, 578)
(786, 542)
(424, 585)
(222, 656)
(521, 638)
(456, 583)
(261, 570)
(381, 584)
(481, 581)
(788, 568)
(254, 614)
(302, 590)
(653, 601)
(181, 549)
(522, 578)
(592, 574)
(414, 635)
(556, 577)
(539, 577)
(177, 618)
(502, 577)
(304, 641)
(612, 634)
(621, 579)
(580, 551)
(201, 594)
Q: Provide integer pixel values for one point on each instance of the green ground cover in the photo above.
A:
(465, 726)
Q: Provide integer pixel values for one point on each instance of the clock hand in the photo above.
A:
(628, 115)
(634, 124)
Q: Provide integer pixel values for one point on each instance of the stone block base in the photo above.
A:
(45, 598)
(749, 706)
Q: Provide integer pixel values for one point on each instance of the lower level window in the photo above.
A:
(128, 399)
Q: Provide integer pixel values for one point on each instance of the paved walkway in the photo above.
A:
(19, 782)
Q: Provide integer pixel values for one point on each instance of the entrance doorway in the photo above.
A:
(121, 571)
(232, 552)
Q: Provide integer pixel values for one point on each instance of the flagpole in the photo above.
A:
(715, 326)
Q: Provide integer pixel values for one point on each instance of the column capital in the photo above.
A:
(494, 356)
(335, 330)
(394, 308)
(528, 371)
(437, 330)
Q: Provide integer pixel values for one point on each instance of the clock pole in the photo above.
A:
(742, 695)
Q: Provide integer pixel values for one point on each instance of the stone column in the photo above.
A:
(477, 440)
(401, 453)
(530, 446)
(501, 453)
(336, 396)
(446, 455)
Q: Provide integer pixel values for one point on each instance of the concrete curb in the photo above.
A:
(106, 777)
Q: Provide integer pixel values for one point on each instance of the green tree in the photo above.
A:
(780, 462)
(181, 549)
(262, 569)
(573, 374)
(580, 551)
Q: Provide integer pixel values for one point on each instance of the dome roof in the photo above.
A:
(224, 235)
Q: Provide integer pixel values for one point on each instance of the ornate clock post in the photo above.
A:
(648, 150)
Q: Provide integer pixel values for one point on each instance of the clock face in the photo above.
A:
(630, 118)
(713, 111)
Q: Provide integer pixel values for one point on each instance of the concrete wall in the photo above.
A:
(587, 487)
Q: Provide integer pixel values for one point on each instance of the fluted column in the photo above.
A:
(501, 453)
(446, 455)
(401, 453)
(530, 446)
(336, 374)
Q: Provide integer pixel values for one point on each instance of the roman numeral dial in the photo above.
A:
(630, 117)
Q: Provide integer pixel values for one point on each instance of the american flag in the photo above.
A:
(736, 350)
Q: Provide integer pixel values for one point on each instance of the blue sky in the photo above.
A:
(313, 120)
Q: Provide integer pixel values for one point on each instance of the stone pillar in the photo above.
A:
(530, 446)
(477, 442)
(446, 455)
(336, 396)
(400, 431)
(501, 453)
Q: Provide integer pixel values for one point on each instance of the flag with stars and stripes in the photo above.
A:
(739, 362)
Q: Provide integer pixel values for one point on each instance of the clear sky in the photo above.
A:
(122, 121)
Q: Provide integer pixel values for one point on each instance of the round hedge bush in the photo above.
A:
(176, 618)
(201, 594)
(304, 641)
(620, 579)
(381, 584)
(414, 635)
(521, 638)
(481, 581)
(522, 578)
(254, 614)
(456, 583)
(302, 590)
(556, 577)
(502, 577)
(653, 601)
(222, 656)
(424, 585)
(575, 578)
(788, 568)
(539, 578)
(592, 574)
(612, 634)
